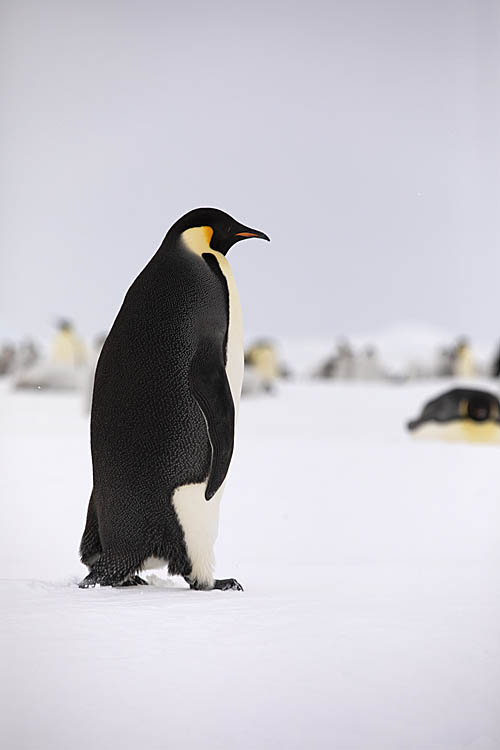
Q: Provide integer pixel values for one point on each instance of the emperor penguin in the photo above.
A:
(166, 393)
(460, 415)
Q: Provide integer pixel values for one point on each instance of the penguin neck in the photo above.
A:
(197, 240)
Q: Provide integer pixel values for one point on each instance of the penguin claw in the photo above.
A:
(88, 582)
(227, 584)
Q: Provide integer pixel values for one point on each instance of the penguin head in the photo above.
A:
(478, 408)
(64, 325)
(211, 229)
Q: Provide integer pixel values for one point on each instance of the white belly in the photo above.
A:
(199, 519)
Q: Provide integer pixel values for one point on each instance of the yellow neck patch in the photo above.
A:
(197, 239)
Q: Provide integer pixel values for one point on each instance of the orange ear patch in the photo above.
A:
(197, 239)
(208, 232)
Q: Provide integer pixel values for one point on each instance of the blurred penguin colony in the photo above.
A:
(69, 362)
(456, 360)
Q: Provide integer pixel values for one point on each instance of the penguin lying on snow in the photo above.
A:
(166, 391)
(462, 414)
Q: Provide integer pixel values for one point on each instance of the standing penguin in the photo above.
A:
(166, 391)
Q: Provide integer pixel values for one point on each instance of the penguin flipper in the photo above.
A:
(210, 388)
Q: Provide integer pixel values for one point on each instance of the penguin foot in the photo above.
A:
(222, 584)
(132, 581)
(93, 579)
(88, 582)
(227, 584)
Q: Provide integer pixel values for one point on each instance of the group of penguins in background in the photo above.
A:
(460, 414)
(71, 364)
(167, 381)
(456, 360)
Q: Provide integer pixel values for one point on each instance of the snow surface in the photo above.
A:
(370, 618)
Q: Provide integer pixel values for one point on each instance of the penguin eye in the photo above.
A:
(478, 409)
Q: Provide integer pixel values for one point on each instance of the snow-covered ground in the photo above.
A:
(370, 618)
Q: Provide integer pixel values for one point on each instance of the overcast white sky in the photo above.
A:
(362, 136)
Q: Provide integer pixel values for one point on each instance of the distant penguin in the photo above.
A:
(367, 365)
(462, 414)
(262, 357)
(345, 364)
(7, 359)
(67, 348)
(445, 363)
(166, 392)
(463, 360)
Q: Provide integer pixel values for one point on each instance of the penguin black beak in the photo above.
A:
(252, 233)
